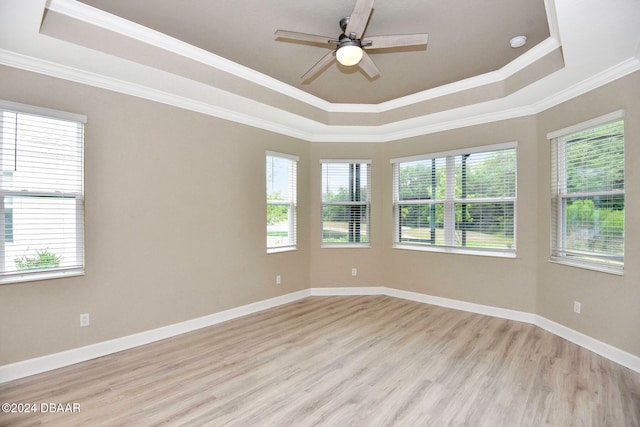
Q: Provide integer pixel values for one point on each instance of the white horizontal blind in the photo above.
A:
(587, 197)
(41, 194)
(346, 201)
(281, 201)
(463, 200)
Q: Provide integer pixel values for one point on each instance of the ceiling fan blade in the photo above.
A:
(367, 65)
(292, 35)
(381, 42)
(319, 66)
(359, 18)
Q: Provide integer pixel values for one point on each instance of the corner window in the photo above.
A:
(281, 201)
(345, 202)
(587, 194)
(462, 201)
(41, 194)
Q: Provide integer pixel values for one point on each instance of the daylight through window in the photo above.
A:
(587, 194)
(345, 202)
(41, 200)
(463, 199)
(281, 201)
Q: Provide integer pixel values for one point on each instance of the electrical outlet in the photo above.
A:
(354, 271)
(278, 280)
(84, 319)
(577, 307)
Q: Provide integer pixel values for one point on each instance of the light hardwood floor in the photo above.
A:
(343, 361)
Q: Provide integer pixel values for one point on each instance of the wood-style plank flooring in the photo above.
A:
(343, 361)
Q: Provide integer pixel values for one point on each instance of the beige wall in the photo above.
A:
(500, 282)
(610, 311)
(175, 224)
(332, 266)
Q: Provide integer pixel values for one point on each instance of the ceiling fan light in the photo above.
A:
(349, 54)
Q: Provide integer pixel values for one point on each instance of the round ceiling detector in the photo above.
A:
(518, 41)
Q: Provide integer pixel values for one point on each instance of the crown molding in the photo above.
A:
(105, 20)
(64, 72)
(531, 56)
(307, 130)
(609, 75)
(97, 17)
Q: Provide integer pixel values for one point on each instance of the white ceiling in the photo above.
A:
(220, 58)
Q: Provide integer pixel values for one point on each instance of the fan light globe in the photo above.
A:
(349, 55)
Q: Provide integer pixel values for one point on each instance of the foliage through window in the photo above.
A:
(345, 202)
(281, 201)
(588, 195)
(464, 199)
(42, 199)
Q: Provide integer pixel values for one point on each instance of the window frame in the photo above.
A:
(450, 202)
(291, 203)
(53, 272)
(356, 229)
(559, 254)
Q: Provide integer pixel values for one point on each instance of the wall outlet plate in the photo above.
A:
(84, 319)
(577, 307)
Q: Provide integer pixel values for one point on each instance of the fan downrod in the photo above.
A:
(343, 23)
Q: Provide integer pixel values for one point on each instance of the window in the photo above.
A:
(41, 193)
(462, 200)
(281, 202)
(346, 201)
(587, 194)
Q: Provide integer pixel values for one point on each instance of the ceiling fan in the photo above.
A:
(351, 44)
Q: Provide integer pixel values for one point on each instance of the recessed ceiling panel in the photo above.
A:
(467, 38)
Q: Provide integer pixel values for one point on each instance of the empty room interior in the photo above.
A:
(285, 212)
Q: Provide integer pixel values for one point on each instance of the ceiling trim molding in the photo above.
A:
(531, 56)
(381, 135)
(593, 82)
(308, 130)
(97, 17)
(90, 15)
(552, 19)
(89, 78)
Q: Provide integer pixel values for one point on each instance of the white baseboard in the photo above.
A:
(58, 360)
(605, 350)
(487, 310)
(608, 351)
(365, 290)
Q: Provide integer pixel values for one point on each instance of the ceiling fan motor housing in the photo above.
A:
(349, 45)
(343, 23)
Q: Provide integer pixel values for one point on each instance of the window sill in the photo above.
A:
(618, 271)
(345, 245)
(280, 250)
(45, 275)
(457, 251)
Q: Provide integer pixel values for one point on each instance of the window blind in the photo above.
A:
(346, 201)
(41, 194)
(281, 178)
(587, 196)
(465, 200)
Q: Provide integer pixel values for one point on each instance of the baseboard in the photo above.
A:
(605, 350)
(585, 341)
(487, 310)
(336, 291)
(58, 360)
